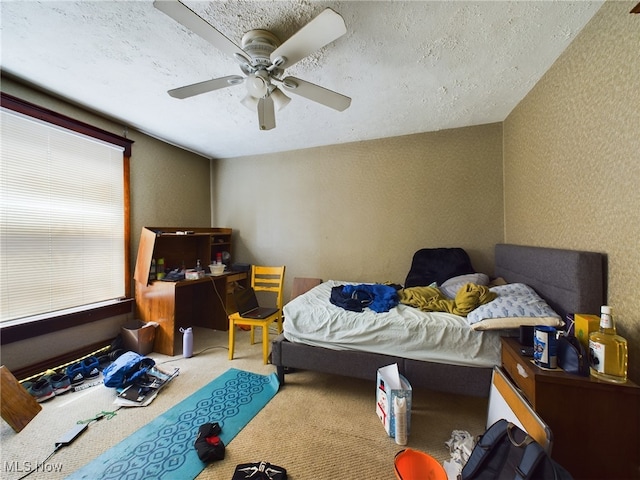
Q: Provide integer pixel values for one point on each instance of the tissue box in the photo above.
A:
(389, 385)
(193, 274)
(584, 325)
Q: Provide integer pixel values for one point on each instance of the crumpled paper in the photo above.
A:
(460, 446)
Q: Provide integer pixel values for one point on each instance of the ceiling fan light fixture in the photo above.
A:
(256, 86)
(250, 102)
(279, 99)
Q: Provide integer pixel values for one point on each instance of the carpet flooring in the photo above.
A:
(317, 426)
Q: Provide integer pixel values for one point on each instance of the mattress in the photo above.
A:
(403, 331)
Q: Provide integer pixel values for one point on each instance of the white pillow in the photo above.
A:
(515, 322)
(517, 304)
(451, 286)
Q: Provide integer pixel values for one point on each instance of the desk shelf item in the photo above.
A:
(204, 302)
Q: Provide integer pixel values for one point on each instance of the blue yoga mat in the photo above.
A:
(164, 447)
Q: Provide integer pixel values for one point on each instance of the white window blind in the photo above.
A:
(62, 232)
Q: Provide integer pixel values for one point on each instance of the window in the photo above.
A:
(64, 226)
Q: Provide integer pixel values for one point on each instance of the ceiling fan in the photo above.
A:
(263, 59)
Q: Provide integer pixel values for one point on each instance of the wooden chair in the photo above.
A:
(263, 279)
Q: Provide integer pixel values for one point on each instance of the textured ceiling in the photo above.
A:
(409, 67)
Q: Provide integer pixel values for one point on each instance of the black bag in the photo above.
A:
(505, 451)
(572, 356)
(208, 444)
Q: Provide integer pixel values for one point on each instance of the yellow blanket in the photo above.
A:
(430, 299)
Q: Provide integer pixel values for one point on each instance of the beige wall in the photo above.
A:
(169, 186)
(572, 159)
(359, 211)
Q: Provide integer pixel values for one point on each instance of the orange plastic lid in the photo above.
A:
(414, 465)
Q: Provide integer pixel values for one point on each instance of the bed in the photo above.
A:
(567, 280)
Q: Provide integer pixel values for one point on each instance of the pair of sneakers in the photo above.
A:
(48, 386)
(86, 368)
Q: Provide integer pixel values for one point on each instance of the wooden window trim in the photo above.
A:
(57, 322)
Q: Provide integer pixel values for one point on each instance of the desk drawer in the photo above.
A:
(236, 277)
(521, 372)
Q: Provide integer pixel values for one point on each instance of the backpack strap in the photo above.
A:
(494, 434)
(533, 453)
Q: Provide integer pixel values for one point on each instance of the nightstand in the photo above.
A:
(595, 425)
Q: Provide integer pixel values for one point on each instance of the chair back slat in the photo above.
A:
(268, 279)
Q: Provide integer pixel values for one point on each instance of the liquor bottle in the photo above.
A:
(608, 353)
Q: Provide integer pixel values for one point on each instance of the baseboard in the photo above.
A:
(54, 362)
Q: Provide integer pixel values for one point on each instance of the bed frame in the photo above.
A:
(569, 280)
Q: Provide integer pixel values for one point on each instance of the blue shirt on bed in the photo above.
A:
(379, 298)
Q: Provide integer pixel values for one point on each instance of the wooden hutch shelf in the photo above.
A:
(205, 302)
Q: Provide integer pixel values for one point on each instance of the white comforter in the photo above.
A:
(403, 331)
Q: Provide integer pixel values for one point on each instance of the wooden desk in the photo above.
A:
(595, 424)
(206, 302)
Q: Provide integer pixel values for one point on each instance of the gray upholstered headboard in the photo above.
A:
(570, 281)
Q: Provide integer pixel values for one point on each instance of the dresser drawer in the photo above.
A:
(521, 372)
(506, 401)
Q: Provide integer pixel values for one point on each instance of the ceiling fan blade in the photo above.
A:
(190, 19)
(206, 86)
(320, 31)
(266, 114)
(316, 93)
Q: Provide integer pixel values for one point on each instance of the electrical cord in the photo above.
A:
(213, 282)
(69, 440)
(195, 354)
(58, 447)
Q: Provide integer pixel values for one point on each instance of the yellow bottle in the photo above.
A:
(160, 269)
(608, 354)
